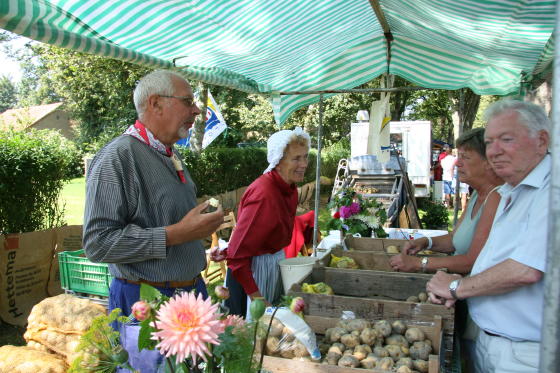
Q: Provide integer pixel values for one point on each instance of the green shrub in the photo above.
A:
(436, 216)
(34, 168)
(332, 154)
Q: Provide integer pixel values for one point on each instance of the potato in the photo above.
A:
(361, 351)
(299, 349)
(396, 339)
(355, 333)
(420, 365)
(420, 350)
(350, 340)
(404, 361)
(398, 326)
(272, 345)
(382, 327)
(368, 336)
(332, 358)
(423, 297)
(392, 249)
(404, 369)
(369, 362)
(337, 347)
(287, 334)
(336, 333)
(286, 351)
(381, 352)
(348, 361)
(357, 324)
(385, 364)
(413, 299)
(394, 351)
(347, 352)
(414, 335)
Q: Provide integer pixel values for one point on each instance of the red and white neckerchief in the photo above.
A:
(139, 131)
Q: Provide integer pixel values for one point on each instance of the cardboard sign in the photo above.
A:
(25, 263)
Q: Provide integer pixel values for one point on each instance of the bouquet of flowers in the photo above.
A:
(352, 213)
(194, 334)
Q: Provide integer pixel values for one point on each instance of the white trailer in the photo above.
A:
(414, 140)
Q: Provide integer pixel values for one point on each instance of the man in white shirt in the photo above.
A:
(505, 289)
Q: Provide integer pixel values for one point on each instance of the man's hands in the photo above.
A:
(438, 288)
(195, 225)
(217, 255)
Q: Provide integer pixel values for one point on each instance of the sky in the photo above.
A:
(9, 66)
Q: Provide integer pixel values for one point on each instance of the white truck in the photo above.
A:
(413, 139)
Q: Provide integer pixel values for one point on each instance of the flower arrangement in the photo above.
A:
(192, 333)
(352, 213)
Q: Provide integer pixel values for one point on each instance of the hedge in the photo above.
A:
(35, 166)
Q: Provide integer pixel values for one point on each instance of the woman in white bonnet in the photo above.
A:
(265, 220)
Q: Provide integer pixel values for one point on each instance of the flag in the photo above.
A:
(215, 124)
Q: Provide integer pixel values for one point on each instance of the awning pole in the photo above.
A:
(550, 341)
(318, 176)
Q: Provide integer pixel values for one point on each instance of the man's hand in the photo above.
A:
(195, 225)
(438, 288)
(405, 263)
(218, 255)
(414, 246)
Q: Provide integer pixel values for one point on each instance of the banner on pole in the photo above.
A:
(215, 124)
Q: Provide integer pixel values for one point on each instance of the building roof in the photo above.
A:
(22, 118)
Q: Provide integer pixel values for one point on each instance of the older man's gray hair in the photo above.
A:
(159, 82)
(530, 115)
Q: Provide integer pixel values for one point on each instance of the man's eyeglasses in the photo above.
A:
(188, 101)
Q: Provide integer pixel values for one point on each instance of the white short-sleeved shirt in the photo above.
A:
(519, 232)
(447, 165)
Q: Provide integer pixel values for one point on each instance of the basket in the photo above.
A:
(80, 275)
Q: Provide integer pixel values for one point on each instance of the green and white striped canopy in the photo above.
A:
(276, 46)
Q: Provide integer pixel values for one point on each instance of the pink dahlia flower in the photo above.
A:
(186, 324)
(141, 310)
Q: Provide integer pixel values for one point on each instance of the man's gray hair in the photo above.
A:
(530, 115)
(159, 82)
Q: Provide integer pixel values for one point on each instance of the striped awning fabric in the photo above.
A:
(298, 45)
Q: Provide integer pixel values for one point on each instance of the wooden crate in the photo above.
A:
(371, 295)
(432, 329)
(379, 245)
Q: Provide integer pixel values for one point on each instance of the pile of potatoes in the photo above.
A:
(357, 343)
(422, 297)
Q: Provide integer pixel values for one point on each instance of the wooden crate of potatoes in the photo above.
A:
(359, 345)
(388, 245)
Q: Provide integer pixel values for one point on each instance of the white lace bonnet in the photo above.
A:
(278, 142)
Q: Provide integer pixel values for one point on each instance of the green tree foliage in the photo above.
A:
(97, 91)
(436, 107)
(7, 94)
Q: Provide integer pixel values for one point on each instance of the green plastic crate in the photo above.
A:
(80, 275)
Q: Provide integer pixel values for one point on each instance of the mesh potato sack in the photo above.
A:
(22, 359)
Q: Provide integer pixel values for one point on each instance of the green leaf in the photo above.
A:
(149, 293)
(144, 336)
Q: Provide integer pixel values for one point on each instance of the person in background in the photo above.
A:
(505, 290)
(448, 167)
(265, 222)
(141, 214)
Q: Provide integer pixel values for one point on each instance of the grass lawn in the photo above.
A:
(73, 198)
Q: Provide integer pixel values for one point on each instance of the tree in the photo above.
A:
(7, 94)
(436, 107)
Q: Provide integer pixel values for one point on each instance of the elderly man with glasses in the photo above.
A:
(505, 290)
(141, 213)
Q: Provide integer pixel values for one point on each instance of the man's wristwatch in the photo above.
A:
(424, 263)
(453, 286)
